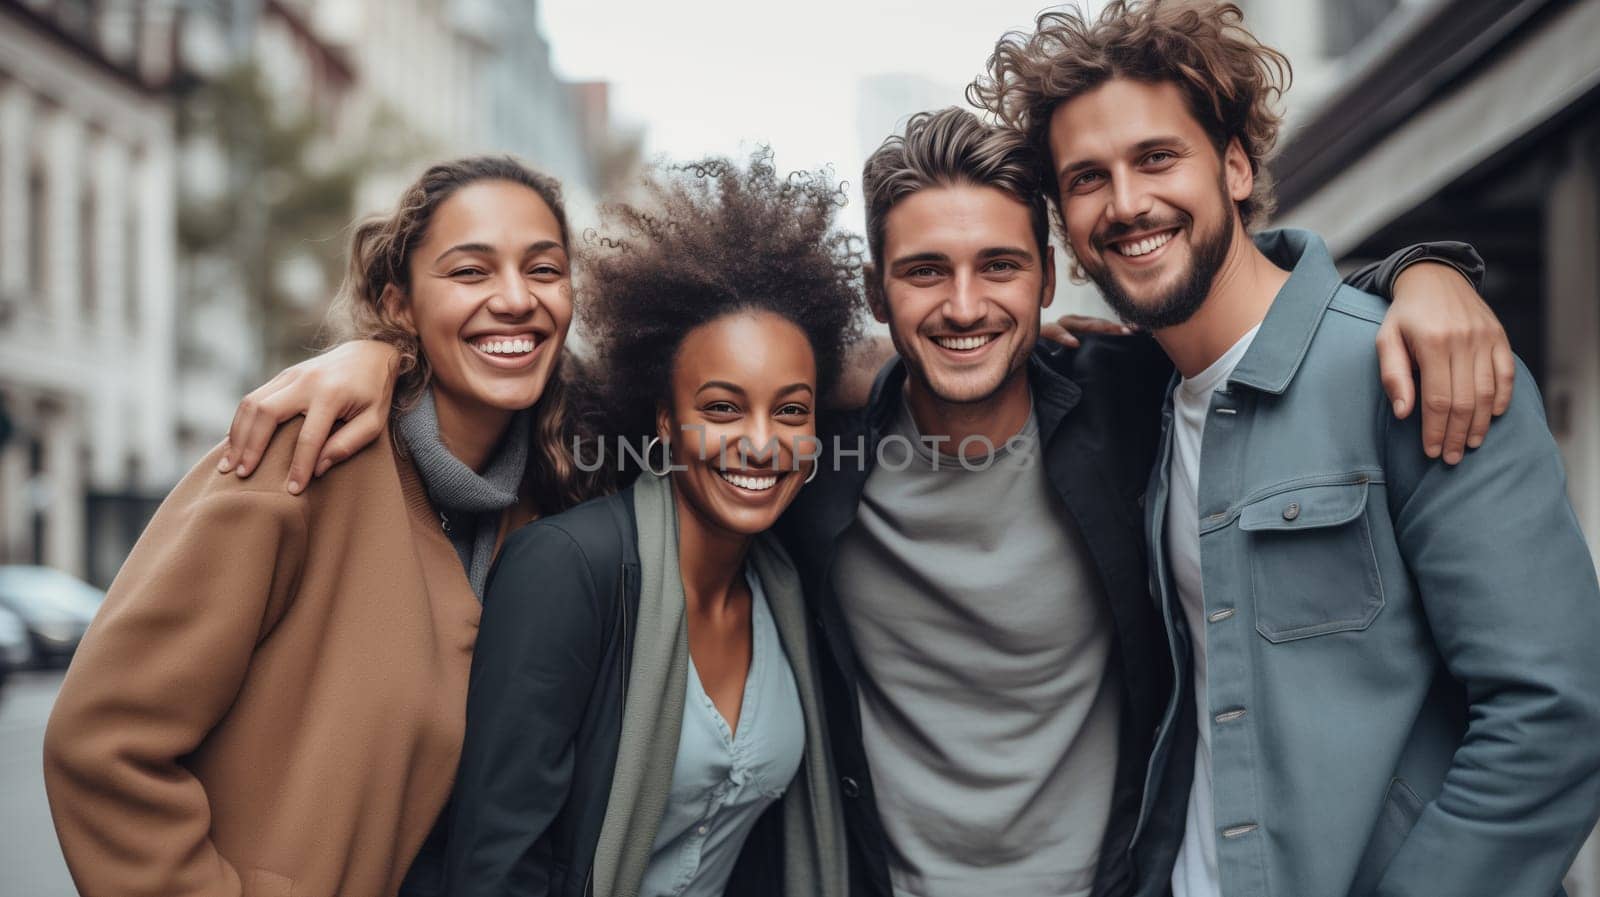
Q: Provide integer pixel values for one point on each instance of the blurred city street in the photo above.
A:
(28, 852)
(178, 180)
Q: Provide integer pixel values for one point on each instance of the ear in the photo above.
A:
(1049, 276)
(398, 307)
(877, 301)
(1236, 171)
(664, 423)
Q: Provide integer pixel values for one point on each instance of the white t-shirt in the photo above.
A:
(1195, 873)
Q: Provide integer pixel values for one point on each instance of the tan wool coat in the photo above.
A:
(271, 701)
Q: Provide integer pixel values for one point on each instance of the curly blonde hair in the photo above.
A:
(1230, 79)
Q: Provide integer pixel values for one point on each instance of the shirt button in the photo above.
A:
(850, 787)
(1292, 511)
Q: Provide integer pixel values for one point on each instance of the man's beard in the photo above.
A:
(1180, 304)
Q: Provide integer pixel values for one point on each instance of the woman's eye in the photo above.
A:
(793, 409)
(467, 272)
(721, 408)
(545, 271)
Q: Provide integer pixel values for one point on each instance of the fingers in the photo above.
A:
(254, 422)
(1059, 334)
(1505, 374)
(308, 447)
(1091, 324)
(1483, 394)
(358, 433)
(1394, 371)
(1462, 394)
(1434, 365)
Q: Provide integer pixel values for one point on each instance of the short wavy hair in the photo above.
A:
(713, 238)
(946, 148)
(1230, 79)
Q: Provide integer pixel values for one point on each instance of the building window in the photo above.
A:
(38, 236)
(1349, 22)
(130, 270)
(88, 255)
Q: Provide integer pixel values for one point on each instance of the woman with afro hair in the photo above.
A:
(644, 711)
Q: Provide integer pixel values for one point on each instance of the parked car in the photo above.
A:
(16, 650)
(55, 607)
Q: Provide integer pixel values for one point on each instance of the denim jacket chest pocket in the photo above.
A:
(1313, 570)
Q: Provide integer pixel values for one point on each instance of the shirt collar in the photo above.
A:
(1285, 335)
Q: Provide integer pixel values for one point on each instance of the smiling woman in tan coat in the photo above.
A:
(271, 702)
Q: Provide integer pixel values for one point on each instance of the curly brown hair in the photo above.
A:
(1230, 79)
(380, 256)
(711, 239)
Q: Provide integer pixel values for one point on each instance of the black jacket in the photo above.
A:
(1097, 410)
(1099, 414)
(536, 767)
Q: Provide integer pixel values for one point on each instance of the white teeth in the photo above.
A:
(755, 484)
(505, 347)
(1145, 246)
(963, 342)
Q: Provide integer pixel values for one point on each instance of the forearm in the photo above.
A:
(1378, 278)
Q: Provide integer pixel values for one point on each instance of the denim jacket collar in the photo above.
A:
(1280, 346)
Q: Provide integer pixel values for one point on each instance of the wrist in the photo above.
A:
(1424, 268)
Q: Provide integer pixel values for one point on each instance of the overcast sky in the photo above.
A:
(821, 81)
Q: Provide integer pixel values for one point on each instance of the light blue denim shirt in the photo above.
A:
(1403, 658)
(722, 780)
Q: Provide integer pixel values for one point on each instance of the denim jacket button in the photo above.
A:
(849, 787)
(1292, 511)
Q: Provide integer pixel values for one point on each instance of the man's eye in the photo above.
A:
(1087, 179)
(1003, 265)
(923, 271)
(1159, 157)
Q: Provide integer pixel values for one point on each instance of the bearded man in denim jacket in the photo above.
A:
(1389, 663)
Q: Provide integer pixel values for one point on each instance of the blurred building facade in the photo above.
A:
(146, 269)
(1463, 119)
(88, 298)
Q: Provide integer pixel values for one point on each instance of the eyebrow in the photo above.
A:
(988, 253)
(734, 387)
(1143, 146)
(486, 249)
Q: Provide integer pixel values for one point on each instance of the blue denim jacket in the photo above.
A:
(1404, 658)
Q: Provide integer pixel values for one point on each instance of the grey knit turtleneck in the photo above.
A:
(469, 503)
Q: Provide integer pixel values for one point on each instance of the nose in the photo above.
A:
(758, 444)
(1129, 200)
(965, 305)
(513, 297)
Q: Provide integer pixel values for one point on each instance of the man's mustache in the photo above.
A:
(1119, 229)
